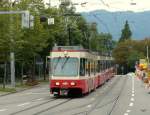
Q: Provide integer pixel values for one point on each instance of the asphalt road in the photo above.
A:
(122, 95)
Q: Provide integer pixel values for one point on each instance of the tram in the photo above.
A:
(76, 71)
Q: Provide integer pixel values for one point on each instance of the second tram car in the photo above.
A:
(75, 70)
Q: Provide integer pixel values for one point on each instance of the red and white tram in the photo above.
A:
(75, 71)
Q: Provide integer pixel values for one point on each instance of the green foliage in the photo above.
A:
(133, 57)
(126, 32)
(128, 52)
(29, 43)
(7, 90)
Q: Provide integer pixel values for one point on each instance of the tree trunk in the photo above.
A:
(44, 66)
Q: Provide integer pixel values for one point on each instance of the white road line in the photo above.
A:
(23, 104)
(132, 99)
(36, 93)
(132, 95)
(128, 111)
(39, 99)
(1, 110)
(92, 99)
(89, 106)
(132, 83)
(131, 104)
(132, 91)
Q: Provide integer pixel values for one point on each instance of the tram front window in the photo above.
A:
(65, 66)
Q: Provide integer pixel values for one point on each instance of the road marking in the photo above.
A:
(36, 93)
(128, 111)
(133, 91)
(23, 104)
(132, 83)
(132, 99)
(132, 95)
(125, 113)
(1, 110)
(92, 99)
(39, 99)
(89, 106)
(131, 104)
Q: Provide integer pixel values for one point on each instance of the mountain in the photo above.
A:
(113, 22)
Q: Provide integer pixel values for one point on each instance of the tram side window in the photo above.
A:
(88, 68)
(106, 62)
(98, 66)
(82, 67)
(92, 67)
(101, 65)
(95, 67)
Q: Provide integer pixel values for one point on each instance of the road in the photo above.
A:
(122, 95)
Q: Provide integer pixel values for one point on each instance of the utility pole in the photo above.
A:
(12, 54)
(69, 35)
(147, 53)
(49, 3)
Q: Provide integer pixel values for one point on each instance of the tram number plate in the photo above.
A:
(64, 92)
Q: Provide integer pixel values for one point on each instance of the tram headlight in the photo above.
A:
(65, 53)
(73, 83)
(57, 83)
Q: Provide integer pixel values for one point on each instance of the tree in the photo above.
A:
(133, 57)
(126, 33)
(128, 52)
(29, 43)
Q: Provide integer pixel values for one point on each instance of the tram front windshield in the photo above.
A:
(65, 66)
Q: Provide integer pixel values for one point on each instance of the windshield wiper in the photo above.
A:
(65, 62)
(57, 63)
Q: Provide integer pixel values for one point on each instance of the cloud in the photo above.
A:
(109, 5)
(113, 5)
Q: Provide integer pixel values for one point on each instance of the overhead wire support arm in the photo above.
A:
(13, 12)
(25, 17)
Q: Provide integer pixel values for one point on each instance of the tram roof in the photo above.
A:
(80, 49)
(69, 48)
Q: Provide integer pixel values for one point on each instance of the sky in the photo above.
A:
(109, 5)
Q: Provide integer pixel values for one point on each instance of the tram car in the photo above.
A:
(76, 71)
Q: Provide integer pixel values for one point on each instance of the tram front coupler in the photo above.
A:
(64, 92)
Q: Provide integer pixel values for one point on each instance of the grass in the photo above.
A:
(7, 90)
(19, 85)
(22, 86)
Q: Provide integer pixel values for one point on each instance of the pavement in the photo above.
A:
(20, 88)
(122, 95)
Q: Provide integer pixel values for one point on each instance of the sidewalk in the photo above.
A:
(141, 103)
(19, 88)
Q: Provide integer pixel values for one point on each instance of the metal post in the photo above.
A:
(49, 3)
(22, 72)
(12, 55)
(69, 35)
(5, 72)
(12, 66)
(39, 71)
(147, 54)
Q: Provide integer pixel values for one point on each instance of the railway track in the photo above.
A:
(114, 101)
(49, 108)
(117, 98)
(15, 113)
(95, 101)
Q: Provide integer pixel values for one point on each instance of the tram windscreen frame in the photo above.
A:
(65, 66)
